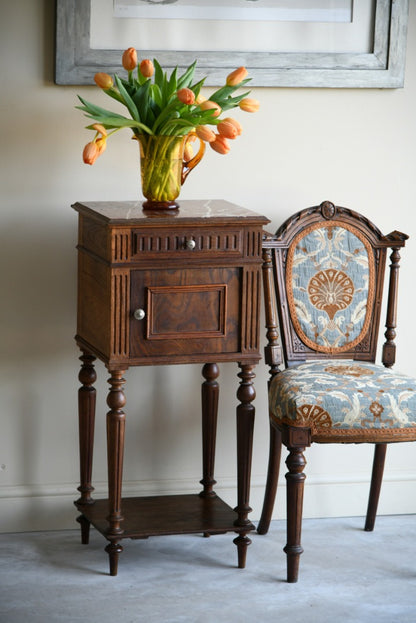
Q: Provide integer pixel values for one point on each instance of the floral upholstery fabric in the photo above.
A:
(330, 280)
(345, 400)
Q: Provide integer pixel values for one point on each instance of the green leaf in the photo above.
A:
(167, 113)
(196, 88)
(225, 92)
(161, 81)
(232, 102)
(173, 83)
(156, 95)
(186, 79)
(127, 99)
(159, 75)
(114, 94)
(92, 109)
(115, 122)
(141, 101)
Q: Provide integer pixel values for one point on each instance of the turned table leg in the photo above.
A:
(209, 400)
(209, 395)
(115, 451)
(113, 550)
(245, 426)
(86, 417)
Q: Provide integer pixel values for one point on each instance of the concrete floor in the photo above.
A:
(347, 575)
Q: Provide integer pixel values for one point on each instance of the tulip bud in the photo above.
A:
(186, 96)
(200, 99)
(90, 153)
(101, 144)
(99, 128)
(146, 68)
(220, 144)
(208, 105)
(205, 133)
(104, 81)
(227, 129)
(249, 104)
(129, 59)
(236, 76)
(236, 124)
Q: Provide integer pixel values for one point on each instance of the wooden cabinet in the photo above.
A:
(167, 288)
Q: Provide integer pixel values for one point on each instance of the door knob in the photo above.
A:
(139, 314)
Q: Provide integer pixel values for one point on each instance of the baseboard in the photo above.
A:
(50, 507)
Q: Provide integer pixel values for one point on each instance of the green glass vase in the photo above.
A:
(163, 168)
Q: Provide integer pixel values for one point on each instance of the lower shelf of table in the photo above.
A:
(165, 515)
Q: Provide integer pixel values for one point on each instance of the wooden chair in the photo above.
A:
(323, 284)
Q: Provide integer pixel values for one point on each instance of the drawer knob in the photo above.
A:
(190, 244)
(139, 314)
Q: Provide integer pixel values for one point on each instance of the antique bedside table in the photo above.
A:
(167, 288)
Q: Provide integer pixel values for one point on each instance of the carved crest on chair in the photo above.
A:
(328, 209)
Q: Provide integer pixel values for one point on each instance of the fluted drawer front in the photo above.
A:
(192, 241)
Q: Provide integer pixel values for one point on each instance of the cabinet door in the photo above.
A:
(191, 311)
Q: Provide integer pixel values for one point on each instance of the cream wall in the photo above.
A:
(353, 147)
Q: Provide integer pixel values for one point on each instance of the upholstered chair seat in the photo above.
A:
(345, 401)
(323, 285)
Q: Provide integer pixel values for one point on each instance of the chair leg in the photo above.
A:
(295, 484)
(376, 480)
(272, 479)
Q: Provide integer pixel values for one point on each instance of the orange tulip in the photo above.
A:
(129, 59)
(220, 144)
(208, 105)
(99, 128)
(227, 129)
(104, 81)
(186, 96)
(235, 123)
(146, 68)
(236, 76)
(205, 133)
(248, 104)
(90, 153)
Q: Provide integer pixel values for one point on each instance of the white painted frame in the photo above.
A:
(383, 67)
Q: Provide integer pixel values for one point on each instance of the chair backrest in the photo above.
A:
(323, 283)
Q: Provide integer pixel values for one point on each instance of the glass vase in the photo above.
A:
(163, 168)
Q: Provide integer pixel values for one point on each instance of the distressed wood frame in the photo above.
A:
(77, 62)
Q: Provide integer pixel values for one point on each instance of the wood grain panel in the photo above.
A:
(201, 307)
(175, 311)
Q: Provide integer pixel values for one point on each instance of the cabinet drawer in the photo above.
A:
(201, 242)
(184, 311)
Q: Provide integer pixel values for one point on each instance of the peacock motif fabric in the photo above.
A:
(330, 284)
(345, 400)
